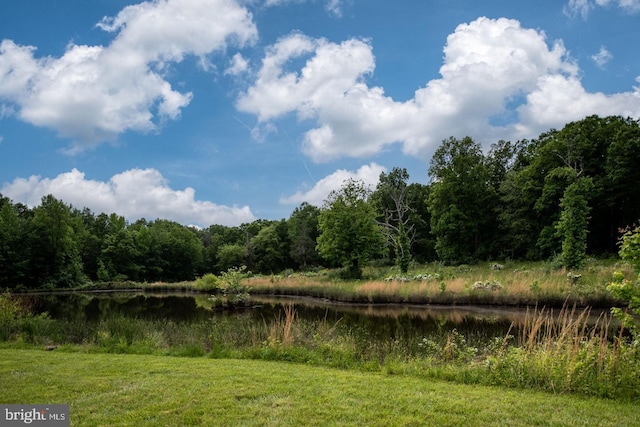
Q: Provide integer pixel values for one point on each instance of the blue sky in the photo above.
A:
(225, 111)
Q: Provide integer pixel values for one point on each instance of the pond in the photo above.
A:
(378, 322)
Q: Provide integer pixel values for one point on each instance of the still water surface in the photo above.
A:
(378, 322)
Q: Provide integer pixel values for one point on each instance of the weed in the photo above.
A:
(208, 283)
(534, 287)
(281, 331)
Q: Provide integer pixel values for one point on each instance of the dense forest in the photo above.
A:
(566, 194)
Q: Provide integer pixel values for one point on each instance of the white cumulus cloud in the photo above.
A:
(334, 7)
(237, 65)
(630, 6)
(91, 94)
(490, 66)
(369, 174)
(134, 194)
(602, 57)
(582, 8)
(577, 7)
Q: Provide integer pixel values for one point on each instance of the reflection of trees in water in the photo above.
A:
(92, 307)
(369, 322)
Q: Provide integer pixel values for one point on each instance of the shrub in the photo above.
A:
(209, 283)
(231, 280)
(628, 290)
(10, 307)
(230, 291)
(18, 322)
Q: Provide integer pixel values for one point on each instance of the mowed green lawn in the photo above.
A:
(111, 390)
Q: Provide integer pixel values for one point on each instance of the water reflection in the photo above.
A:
(96, 306)
(376, 322)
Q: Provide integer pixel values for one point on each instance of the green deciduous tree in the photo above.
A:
(574, 222)
(460, 201)
(55, 249)
(91, 237)
(213, 238)
(271, 248)
(602, 149)
(120, 258)
(14, 252)
(349, 234)
(230, 256)
(423, 243)
(303, 232)
(178, 249)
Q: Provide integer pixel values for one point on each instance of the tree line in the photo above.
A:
(565, 194)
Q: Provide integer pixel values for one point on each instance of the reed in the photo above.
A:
(281, 330)
(567, 353)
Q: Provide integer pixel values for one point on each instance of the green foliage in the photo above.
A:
(120, 257)
(18, 322)
(625, 289)
(349, 234)
(10, 308)
(230, 256)
(461, 200)
(231, 280)
(454, 348)
(14, 254)
(102, 274)
(227, 289)
(560, 194)
(599, 149)
(534, 287)
(574, 222)
(271, 248)
(178, 250)
(630, 247)
(567, 356)
(403, 249)
(303, 233)
(207, 283)
(231, 291)
(55, 257)
(393, 202)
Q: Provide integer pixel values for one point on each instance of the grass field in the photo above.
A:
(120, 390)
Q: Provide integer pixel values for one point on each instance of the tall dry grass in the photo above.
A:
(569, 353)
(534, 283)
(281, 330)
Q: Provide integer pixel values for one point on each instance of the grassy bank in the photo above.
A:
(488, 283)
(152, 390)
(570, 356)
(562, 353)
(511, 283)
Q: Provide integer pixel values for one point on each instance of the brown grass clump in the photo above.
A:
(457, 285)
(282, 329)
(515, 284)
(379, 287)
